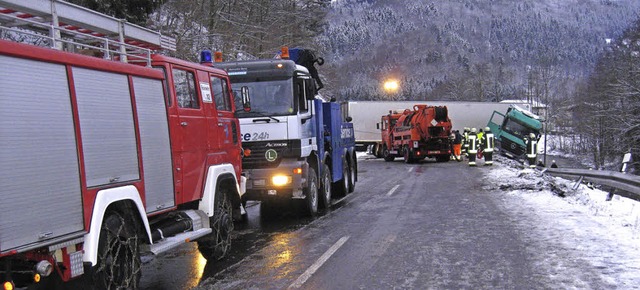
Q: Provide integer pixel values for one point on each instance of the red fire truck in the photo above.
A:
(104, 162)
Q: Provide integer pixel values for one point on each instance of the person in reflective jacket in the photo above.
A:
(488, 146)
(532, 149)
(473, 147)
(465, 141)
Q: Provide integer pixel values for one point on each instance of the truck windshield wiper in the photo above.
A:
(264, 115)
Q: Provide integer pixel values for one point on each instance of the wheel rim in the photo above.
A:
(313, 195)
(345, 177)
(326, 186)
(353, 174)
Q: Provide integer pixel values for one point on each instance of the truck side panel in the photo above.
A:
(155, 142)
(40, 179)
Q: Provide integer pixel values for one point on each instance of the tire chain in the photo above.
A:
(120, 244)
(223, 243)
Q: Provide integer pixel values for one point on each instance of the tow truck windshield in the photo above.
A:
(268, 98)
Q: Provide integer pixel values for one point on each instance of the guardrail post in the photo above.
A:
(625, 160)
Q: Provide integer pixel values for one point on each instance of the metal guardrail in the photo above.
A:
(628, 184)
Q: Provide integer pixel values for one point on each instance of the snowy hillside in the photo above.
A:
(468, 49)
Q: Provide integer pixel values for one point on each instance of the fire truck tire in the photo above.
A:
(216, 245)
(341, 187)
(353, 171)
(118, 264)
(325, 187)
(385, 153)
(310, 205)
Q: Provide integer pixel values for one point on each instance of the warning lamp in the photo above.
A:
(205, 56)
(217, 56)
(8, 285)
(297, 171)
(279, 65)
(37, 278)
(247, 152)
(284, 52)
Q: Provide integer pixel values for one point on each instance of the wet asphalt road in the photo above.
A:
(407, 226)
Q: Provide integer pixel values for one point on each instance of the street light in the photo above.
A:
(391, 86)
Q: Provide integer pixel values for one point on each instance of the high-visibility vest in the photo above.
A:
(532, 148)
(473, 146)
(489, 142)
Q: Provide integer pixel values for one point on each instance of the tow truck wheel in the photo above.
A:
(341, 188)
(325, 187)
(118, 264)
(311, 194)
(352, 174)
(216, 245)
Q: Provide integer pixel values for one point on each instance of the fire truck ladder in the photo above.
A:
(66, 26)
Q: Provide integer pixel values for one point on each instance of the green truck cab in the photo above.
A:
(511, 128)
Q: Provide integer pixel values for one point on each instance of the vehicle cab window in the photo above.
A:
(221, 95)
(185, 87)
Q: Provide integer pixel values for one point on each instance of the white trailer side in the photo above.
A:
(366, 115)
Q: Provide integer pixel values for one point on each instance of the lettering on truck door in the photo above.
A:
(192, 132)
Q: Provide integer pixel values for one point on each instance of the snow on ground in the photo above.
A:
(580, 239)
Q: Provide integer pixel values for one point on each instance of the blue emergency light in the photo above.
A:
(205, 56)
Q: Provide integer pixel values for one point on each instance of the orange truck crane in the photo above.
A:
(416, 134)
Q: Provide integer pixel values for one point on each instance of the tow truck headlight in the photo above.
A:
(281, 180)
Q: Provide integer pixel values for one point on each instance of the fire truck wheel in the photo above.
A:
(325, 187)
(311, 194)
(216, 245)
(385, 153)
(341, 187)
(118, 254)
(353, 170)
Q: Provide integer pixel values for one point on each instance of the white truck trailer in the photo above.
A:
(367, 114)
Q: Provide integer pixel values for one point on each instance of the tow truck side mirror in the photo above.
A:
(378, 126)
(349, 119)
(246, 99)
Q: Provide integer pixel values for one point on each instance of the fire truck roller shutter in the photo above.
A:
(40, 168)
(106, 124)
(154, 139)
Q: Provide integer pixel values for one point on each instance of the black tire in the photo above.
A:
(217, 244)
(353, 171)
(118, 264)
(341, 187)
(385, 153)
(311, 194)
(325, 191)
(406, 153)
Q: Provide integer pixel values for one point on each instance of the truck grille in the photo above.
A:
(258, 157)
(512, 147)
